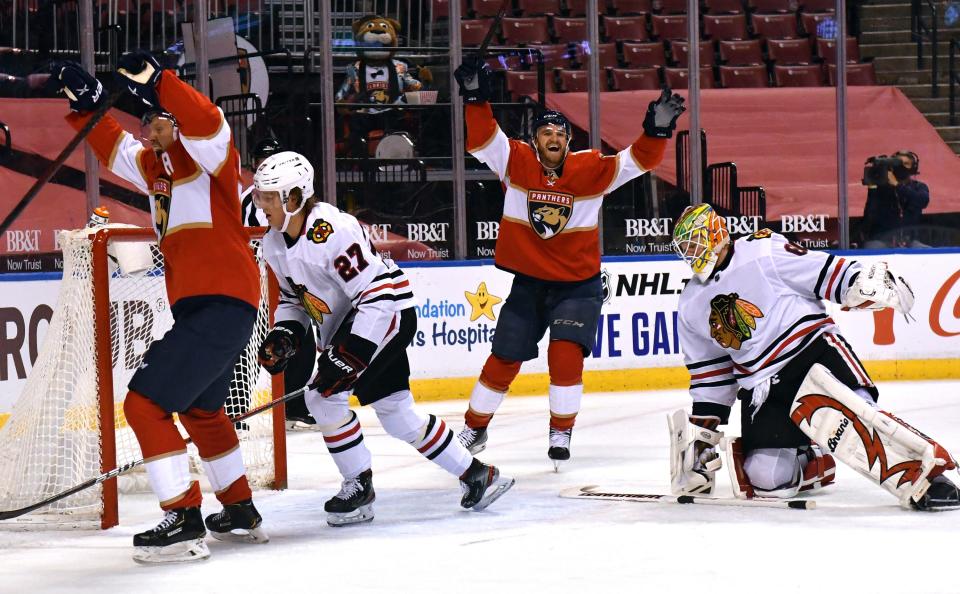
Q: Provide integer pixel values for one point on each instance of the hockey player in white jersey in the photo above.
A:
(361, 307)
(753, 325)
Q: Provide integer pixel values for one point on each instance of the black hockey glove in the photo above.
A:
(82, 89)
(662, 115)
(279, 346)
(337, 370)
(473, 77)
(139, 71)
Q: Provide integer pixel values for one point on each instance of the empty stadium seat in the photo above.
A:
(608, 54)
(789, 51)
(625, 7)
(554, 55)
(644, 54)
(670, 6)
(488, 8)
(772, 6)
(680, 50)
(725, 6)
(504, 62)
(524, 82)
(725, 26)
(775, 26)
(809, 20)
(744, 77)
(525, 30)
(668, 27)
(858, 75)
(741, 53)
(577, 8)
(538, 7)
(818, 5)
(441, 9)
(676, 78)
(576, 81)
(625, 28)
(570, 30)
(827, 50)
(472, 32)
(632, 79)
(798, 75)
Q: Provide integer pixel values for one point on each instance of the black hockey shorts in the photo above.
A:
(192, 365)
(389, 372)
(571, 312)
(771, 426)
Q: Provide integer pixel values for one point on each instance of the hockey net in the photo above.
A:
(68, 426)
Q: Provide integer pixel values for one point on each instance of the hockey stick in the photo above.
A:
(493, 28)
(14, 513)
(53, 167)
(589, 492)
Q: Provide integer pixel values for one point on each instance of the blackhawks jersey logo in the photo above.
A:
(313, 305)
(548, 211)
(732, 320)
(320, 231)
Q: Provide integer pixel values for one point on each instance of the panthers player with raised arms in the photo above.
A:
(191, 173)
(753, 325)
(361, 306)
(549, 240)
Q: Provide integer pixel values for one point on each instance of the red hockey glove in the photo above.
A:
(337, 371)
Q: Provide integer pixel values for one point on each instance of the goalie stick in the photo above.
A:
(55, 165)
(590, 492)
(15, 513)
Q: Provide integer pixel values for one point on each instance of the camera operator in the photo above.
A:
(895, 201)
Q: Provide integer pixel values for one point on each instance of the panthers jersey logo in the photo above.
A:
(320, 231)
(161, 205)
(732, 320)
(548, 211)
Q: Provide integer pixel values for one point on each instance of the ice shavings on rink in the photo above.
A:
(857, 541)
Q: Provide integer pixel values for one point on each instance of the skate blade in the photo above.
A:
(252, 536)
(556, 465)
(501, 486)
(477, 448)
(298, 426)
(362, 514)
(181, 552)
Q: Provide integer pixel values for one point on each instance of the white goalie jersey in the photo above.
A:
(332, 272)
(756, 313)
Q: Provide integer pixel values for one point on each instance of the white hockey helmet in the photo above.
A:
(281, 173)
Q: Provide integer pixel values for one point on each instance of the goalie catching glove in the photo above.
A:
(279, 346)
(878, 288)
(694, 460)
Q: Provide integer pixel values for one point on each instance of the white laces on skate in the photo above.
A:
(168, 520)
(349, 488)
(560, 439)
(467, 436)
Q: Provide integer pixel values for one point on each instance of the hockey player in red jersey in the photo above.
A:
(753, 327)
(191, 174)
(360, 306)
(549, 240)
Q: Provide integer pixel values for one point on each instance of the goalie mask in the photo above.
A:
(281, 173)
(698, 237)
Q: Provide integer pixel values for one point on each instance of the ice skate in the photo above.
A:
(475, 440)
(942, 495)
(482, 485)
(238, 522)
(559, 447)
(354, 503)
(177, 538)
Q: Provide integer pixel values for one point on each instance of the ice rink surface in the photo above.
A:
(857, 541)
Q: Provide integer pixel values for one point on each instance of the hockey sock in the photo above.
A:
(164, 452)
(345, 444)
(565, 360)
(438, 444)
(219, 448)
(489, 391)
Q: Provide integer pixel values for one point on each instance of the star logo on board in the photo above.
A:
(482, 302)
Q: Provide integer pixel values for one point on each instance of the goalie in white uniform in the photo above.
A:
(362, 309)
(753, 326)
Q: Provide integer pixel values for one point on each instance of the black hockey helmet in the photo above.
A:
(266, 147)
(158, 113)
(554, 118)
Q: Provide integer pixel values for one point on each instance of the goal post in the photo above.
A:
(67, 425)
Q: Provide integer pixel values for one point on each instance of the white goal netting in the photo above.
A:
(52, 440)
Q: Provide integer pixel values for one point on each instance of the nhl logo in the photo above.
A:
(548, 211)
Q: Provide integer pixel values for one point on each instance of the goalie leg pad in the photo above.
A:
(875, 443)
(693, 458)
